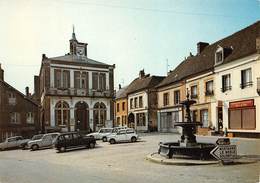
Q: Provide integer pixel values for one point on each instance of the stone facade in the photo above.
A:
(76, 92)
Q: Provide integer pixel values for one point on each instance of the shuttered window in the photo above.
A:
(102, 81)
(242, 118)
(95, 80)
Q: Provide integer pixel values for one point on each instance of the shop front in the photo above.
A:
(242, 115)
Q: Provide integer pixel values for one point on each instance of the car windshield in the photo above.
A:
(105, 130)
(37, 137)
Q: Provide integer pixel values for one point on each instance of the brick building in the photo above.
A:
(18, 112)
(76, 92)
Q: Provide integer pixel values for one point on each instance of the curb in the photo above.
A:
(187, 162)
(183, 162)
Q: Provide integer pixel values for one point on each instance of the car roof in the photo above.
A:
(67, 133)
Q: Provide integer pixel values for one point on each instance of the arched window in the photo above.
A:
(100, 113)
(62, 113)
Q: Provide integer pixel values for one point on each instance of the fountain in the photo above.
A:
(187, 147)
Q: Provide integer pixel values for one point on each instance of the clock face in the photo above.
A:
(80, 51)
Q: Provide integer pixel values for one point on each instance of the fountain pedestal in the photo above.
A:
(187, 147)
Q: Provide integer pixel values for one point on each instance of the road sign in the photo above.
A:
(225, 152)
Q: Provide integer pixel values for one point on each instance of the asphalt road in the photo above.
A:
(120, 163)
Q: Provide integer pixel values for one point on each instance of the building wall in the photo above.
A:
(236, 93)
(50, 95)
(203, 101)
(72, 101)
(170, 89)
(165, 126)
(139, 110)
(21, 106)
(121, 118)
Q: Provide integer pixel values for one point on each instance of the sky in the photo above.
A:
(132, 34)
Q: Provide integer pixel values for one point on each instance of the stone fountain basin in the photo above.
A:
(197, 151)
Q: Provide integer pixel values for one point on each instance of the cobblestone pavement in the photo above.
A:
(121, 163)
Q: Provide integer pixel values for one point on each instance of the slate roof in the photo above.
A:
(146, 82)
(75, 58)
(121, 93)
(17, 91)
(241, 44)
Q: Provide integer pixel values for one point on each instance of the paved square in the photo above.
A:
(120, 163)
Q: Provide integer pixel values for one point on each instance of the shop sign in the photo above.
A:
(241, 104)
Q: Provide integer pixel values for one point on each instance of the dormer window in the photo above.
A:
(219, 55)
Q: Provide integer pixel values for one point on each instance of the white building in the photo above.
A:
(142, 102)
(237, 80)
(76, 92)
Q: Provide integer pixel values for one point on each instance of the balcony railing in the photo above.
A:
(193, 96)
(246, 84)
(209, 93)
(226, 88)
(79, 92)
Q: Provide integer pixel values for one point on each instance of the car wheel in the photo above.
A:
(25, 147)
(104, 139)
(35, 147)
(91, 145)
(133, 139)
(62, 149)
(112, 141)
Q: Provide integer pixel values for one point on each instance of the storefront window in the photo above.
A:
(204, 117)
(140, 117)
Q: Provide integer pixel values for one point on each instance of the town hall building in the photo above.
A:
(76, 92)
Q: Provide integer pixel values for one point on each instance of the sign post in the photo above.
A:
(224, 152)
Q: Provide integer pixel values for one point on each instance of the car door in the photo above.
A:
(46, 141)
(129, 134)
(121, 136)
(11, 142)
(77, 139)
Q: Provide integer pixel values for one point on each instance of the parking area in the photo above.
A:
(125, 162)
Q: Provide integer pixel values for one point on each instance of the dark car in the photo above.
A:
(72, 140)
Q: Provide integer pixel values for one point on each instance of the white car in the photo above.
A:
(13, 142)
(125, 135)
(42, 141)
(101, 134)
(115, 130)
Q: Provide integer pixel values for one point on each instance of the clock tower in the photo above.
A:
(77, 48)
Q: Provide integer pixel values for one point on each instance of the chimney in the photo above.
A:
(1, 73)
(37, 86)
(120, 86)
(27, 91)
(43, 56)
(141, 74)
(258, 45)
(201, 46)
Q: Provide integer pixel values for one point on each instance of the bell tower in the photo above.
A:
(77, 48)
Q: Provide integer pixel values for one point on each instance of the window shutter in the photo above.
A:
(223, 84)
(242, 79)
(87, 87)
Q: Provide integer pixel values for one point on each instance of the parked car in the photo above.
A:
(73, 140)
(13, 142)
(42, 141)
(125, 135)
(101, 134)
(35, 137)
(115, 130)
